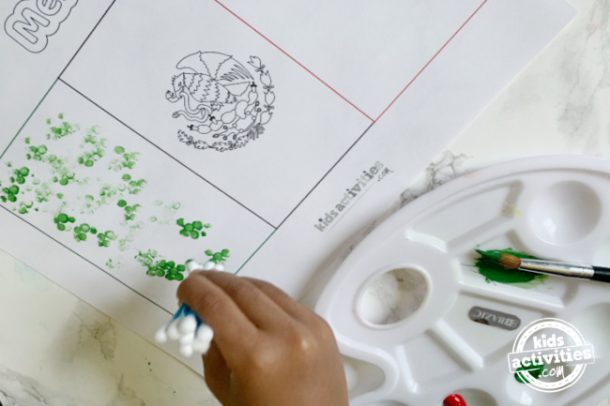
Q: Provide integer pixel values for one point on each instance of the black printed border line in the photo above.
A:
(87, 260)
(306, 196)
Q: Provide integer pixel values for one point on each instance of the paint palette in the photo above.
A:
(404, 303)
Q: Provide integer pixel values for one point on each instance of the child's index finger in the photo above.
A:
(233, 331)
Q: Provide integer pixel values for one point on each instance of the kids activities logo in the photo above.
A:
(34, 21)
(550, 355)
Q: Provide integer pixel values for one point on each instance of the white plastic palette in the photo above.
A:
(553, 207)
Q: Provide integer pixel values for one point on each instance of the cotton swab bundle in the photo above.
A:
(185, 326)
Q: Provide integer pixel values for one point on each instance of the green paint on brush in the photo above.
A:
(488, 266)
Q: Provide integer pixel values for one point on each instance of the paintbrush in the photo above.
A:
(547, 267)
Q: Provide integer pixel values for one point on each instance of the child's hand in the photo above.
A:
(268, 350)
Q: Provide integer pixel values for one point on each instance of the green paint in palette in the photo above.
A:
(488, 266)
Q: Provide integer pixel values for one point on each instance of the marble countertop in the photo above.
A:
(57, 350)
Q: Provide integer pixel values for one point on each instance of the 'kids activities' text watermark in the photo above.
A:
(377, 172)
(550, 355)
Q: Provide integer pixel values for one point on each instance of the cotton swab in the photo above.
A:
(185, 326)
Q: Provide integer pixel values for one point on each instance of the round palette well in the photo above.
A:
(401, 303)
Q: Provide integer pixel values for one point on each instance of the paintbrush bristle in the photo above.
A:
(510, 261)
(506, 260)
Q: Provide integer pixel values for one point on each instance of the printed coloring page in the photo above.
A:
(260, 135)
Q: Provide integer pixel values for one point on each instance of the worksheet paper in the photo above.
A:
(138, 134)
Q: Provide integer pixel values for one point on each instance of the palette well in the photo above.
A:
(404, 303)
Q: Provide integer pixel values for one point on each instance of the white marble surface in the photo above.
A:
(56, 350)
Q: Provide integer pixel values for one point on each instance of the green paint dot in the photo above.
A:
(119, 150)
(122, 203)
(126, 177)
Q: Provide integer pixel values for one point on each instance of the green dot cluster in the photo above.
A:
(218, 257)
(61, 130)
(82, 230)
(126, 160)
(10, 193)
(89, 159)
(133, 186)
(194, 230)
(129, 212)
(62, 220)
(37, 153)
(20, 175)
(24, 208)
(64, 180)
(159, 267)
(67, 170)
(104, 238)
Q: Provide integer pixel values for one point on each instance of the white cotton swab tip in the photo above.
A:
(201, 347)
(186, 350)
(204, 333)
(192, 265)
(203, 339)
(161, 335)
(187, 338)
(172, 330)
(188, 324)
